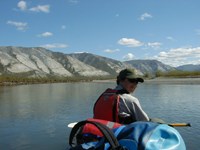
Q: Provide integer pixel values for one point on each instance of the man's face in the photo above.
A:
(129, 85)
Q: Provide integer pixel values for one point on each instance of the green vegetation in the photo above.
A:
(16, 80)
(22, 79)
(178, 74)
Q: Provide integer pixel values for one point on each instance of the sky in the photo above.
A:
(165, 30)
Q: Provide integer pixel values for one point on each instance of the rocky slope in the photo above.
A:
(40, 62)
(189, 67)
(149, 66)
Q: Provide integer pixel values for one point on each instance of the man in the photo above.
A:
(118, 105)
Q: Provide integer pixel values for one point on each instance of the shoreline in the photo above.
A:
(161, 80)
(173, 81)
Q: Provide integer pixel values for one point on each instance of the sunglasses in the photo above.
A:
(133, 81)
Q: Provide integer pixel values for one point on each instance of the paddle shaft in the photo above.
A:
(180, 124)
(71, 125)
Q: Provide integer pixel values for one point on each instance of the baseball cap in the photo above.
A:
(129, 74)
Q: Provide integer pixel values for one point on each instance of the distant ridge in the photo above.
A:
(149, 66)
(189, 67)
(41, 62)
(102, 63)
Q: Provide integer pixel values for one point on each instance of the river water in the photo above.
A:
(36, 116)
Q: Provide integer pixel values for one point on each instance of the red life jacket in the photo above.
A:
(91, 129)
(107, 106)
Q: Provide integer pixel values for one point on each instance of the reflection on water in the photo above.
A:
(36, 116)
(174, 104)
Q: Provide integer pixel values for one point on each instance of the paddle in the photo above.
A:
(71, 125)
(158, 120)
(180, 124)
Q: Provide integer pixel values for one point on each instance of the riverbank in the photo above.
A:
(13, 81)
(161, 80)
(173, 81)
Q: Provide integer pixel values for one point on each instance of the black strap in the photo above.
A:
(107, 133)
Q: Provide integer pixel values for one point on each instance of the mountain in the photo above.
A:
(40, 62)
(30, 61)
(189, 67)
(113, 67)
(149, 66)
(78, 67)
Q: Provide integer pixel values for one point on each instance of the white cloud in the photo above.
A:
(130, 42)
(63, 27)
(55, 45)
(46, 34)
(145, 16)
(170, 38)
(19, 25)
(180, 56)
(41, 8)
(81, 52)
(22, 5)
(154, 45)
(129, 56)
(111, 50)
